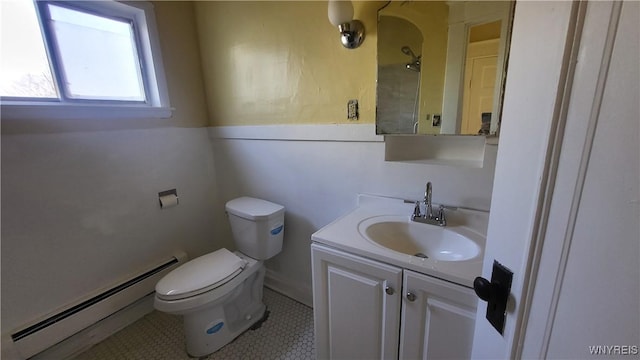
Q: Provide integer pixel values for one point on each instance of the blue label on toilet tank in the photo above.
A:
(215, 328)
(277, 230)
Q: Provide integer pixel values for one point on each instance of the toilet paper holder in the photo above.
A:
(168, 198)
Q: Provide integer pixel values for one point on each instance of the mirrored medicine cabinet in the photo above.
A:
(441, 66)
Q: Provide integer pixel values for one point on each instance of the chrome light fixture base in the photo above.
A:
(351, 34)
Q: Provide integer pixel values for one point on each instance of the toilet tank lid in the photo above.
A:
(200, 274)
(252, 208)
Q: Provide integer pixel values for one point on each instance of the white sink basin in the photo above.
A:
(399, 233)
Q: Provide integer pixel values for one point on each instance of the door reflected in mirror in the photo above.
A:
(441, 66)
(480, 72)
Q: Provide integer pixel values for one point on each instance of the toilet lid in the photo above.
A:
(252, 208)
(200, 275)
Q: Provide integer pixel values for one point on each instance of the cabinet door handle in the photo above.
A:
(389, 290)
(411, 296)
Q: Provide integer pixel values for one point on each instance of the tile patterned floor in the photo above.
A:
(286, 334)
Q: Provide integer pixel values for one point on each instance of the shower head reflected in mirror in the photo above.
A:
(414, 65)
(407, 51)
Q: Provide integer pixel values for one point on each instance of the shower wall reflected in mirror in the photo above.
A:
(398, 77)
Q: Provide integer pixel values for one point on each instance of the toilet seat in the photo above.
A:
(200, 275)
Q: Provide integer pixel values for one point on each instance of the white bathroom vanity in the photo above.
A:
(386, 287)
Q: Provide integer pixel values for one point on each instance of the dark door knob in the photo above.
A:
(483, 288)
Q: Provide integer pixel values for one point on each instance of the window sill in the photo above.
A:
(48, 111)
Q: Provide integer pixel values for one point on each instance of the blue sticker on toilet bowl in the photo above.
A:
(277, 230)
(215, 328)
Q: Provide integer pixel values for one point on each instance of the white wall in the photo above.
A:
(318, 181)
(80, 211)
(79, 196)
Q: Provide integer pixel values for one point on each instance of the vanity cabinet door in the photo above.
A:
(356, 306)
(438, 318)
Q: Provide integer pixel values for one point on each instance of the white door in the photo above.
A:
(437, 318)
(356, 306)
(546, 226)
(528, 111)
(586, 300)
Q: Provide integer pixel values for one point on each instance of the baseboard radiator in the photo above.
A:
(54, 328)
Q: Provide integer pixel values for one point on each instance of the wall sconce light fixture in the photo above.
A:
(341, 15)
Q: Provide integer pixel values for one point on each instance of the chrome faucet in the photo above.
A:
(428, 217)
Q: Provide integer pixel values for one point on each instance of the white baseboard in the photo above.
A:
(299, 292)
(43, 333)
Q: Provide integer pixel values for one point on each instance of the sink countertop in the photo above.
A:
(343, 234)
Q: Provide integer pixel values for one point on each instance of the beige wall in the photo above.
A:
(397, 32)
(181, 54)
(268, 62)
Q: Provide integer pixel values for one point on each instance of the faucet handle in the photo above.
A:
(442, 219)
(416, 211)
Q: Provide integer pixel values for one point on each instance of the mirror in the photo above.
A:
(441, 66)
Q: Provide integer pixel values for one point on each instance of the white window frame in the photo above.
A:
(157, 98)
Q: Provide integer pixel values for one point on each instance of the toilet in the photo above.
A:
(220, 294)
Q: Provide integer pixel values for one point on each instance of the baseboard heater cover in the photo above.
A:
(57, 327)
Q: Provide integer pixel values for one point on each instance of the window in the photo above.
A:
(80, 59)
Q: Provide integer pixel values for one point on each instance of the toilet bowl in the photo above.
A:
(220, 293)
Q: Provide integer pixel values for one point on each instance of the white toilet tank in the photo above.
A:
(257, 226)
